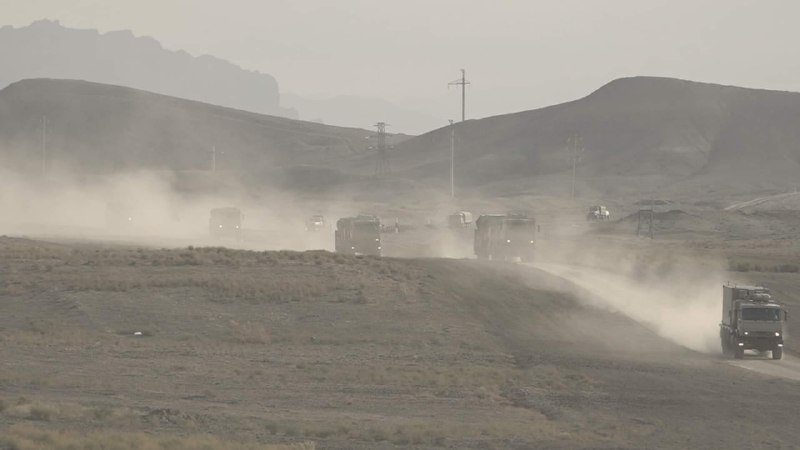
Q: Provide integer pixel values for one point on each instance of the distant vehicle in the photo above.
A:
(360, 235)
(460, 219)
(598, 212)
(315, 223)
(751, 320)
(226, 222)
(505, 237)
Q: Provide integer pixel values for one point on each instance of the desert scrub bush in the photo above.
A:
(32, 411)
(31, 438)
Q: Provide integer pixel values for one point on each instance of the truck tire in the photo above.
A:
(777, 353)
(738, 352)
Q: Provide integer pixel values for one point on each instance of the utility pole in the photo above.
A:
(382, 166)
(44, 145)
(452, 159)
(463, 83)
(575, 146)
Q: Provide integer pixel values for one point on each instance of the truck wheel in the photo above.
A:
(738, 353)
(777, 353)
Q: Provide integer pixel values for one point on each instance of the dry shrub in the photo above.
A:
(31, 438)
(747, 266)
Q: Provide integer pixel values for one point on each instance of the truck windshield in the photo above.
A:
(761, 314)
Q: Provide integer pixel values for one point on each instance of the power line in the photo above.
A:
(463, 83)
(575, 147)
(44, 145)
(452, 159)
(382, 164)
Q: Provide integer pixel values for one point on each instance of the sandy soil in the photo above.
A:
(600, 350)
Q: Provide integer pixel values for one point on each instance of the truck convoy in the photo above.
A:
(360, 235)
(226, 222)
(505, 237)
(751, 320)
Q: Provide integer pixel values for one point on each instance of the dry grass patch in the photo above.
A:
(750, 266)
(32, 438)
(39, 411)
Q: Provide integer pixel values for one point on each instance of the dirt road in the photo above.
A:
(788, 367)
(690, 321)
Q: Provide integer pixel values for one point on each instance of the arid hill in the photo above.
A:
(637, 133)
(98, 128)
(636, 136)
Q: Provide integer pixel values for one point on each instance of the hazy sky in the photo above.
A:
(518, 54)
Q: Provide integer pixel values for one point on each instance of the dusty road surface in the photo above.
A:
(318, 350)
(788, 367)
(690, 319)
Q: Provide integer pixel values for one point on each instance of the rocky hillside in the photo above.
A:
(46, 49)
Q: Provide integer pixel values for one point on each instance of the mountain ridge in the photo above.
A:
(46, 49)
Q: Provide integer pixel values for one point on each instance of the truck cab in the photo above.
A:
(360, 235)
(459, 219)
(598, 212)
(315, 223)
(505, 237)
(751, 320)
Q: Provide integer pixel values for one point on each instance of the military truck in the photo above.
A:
(359, 235)
(598, 212)
(505, 237)
(751, 320)
(226, 223)
(315, 223)
(459, 219)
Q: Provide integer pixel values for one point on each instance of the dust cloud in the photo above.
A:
(675, 295)
(152, 209)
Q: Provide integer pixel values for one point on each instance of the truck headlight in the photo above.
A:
(508, 240)
(531, 242)
(777, 334)
(746, 333)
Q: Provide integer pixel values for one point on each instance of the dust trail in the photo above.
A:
(687, 315)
